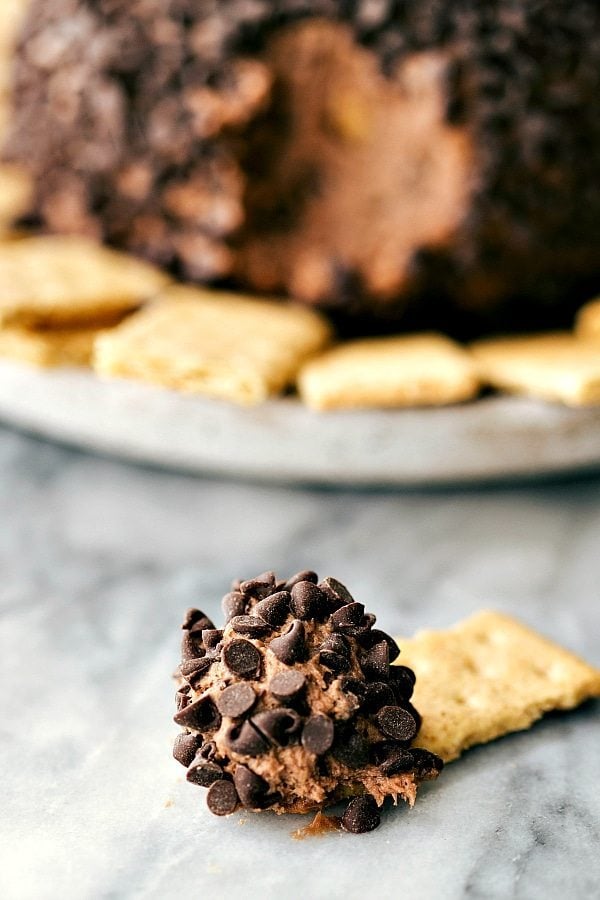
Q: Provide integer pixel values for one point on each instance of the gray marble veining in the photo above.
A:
(98, 561)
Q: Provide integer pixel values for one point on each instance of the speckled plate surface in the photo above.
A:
(490, 439)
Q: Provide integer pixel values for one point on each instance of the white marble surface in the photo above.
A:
(98, 561)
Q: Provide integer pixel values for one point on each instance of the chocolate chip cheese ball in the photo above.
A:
(430, 161)
(294, 705)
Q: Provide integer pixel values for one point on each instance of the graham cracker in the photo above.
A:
(414, 370)
(67, 281)
(49, 347)
(221, 344)
(488, 676)
(558, 366)
(587, 323)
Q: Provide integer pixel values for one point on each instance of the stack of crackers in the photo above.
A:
(69, 301)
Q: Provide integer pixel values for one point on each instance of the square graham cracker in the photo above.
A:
(413, 370)
(66, 281)
(558, 366)
(221, 344)
(488, 676)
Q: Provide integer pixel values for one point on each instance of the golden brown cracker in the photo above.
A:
(487, 676)
(224, 345)
(587, 324)
(67, 281)
(413, 370)
(556, 366)
(48, 347)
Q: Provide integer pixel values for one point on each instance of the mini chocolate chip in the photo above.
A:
(208, 750)
(286, 685)
(354, 686)
(290, 648)
(274, 609)
(370, 638)
(259, 587)
(250, 625)
(246, 740)
(233, 604)
(252, 789)
(375, 663)
(201, 715)
(426, 763)
(191, 646)
(204, 773)
(334, 662)
(413, 712)
(348, 616)
(318, 734)
(193, 670)
(392, 759)
(337, 593)
(242, 658)
(185, 748)
(351, 749)
(195, 617)
(337, 643)
(236, 700)
(305, 575)
(377, 694)
(182, 697)
(211, 638)
(396, 723)
(222, 798)
(279, 726)
(362, 815)
(308, 601)
(402, 682)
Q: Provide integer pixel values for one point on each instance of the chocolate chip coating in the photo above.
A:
(246, 740)
(259, 587)
(361, 815)
(278, 726)
(290, 648)
(236, 700)
(201, 715)
(338, 593)
(305, 575)
(185, 748)
(203, 773)
(193, 670)
(274, 609)
(308, 601)
(318, 735)
(196, 619)
(251, 788)
(347, 616)
(242, 658)
(396, 723)
(376, 662)
(222, 798)
(250, 625)
(233, 604)
(286, 685)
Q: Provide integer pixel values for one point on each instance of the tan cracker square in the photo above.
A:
(225, 345)
(487, 676)
(557, 366)
(415, 370)
(70, 281)
(49, 347)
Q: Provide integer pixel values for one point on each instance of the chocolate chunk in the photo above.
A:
(193, 670)
(204, 773)
(318, 734)
(250, 625)
(375, 636)
(305, 575)
(191, 646)
(195, 617)
(348, 616)
(242, 658)
(211, 638)
(308, 601)
(222, 798)
(377, 694)
(201, 715)
(351, 749)
(252, 789)
(185, 748)
(337, 593)
(274, 609)
(233, 604)
(259, 587)
(402, 682)
(362, 815)
(286, 685)
(375, 663)
(246, 740)
(290, 648)
(426, 763)
(396, 723)
(236, 700)
(278, 726)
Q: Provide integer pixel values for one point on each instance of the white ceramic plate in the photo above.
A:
(492, 438)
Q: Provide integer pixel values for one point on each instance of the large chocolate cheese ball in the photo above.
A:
(400, 158)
